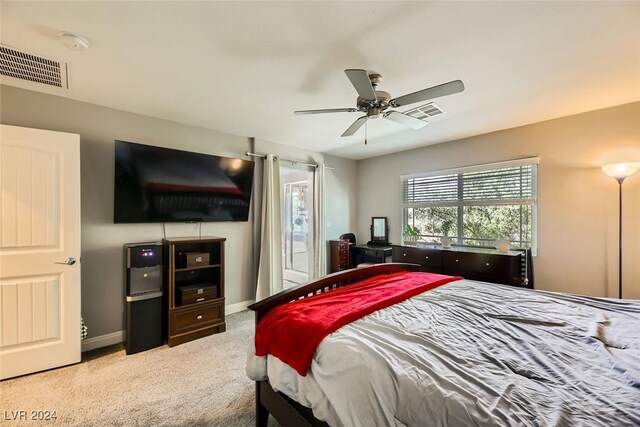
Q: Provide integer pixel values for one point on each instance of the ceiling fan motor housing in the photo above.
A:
(374, 107)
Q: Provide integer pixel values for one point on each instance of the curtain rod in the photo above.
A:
(295, 162)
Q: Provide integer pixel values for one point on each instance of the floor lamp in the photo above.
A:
(620, 171)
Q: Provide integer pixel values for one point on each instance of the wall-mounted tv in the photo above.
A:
(155, 184)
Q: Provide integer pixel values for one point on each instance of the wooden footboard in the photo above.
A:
(269, 401)
(325, 284)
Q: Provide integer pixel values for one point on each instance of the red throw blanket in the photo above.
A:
(292, 331)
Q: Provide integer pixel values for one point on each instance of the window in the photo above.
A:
(474, 205)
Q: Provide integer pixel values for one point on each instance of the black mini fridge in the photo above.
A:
(143, 294)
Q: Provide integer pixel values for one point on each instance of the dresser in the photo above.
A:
(340, 257)
(485, 265)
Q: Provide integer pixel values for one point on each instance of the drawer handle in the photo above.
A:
(404, 254)
(426, 257)
(488, 264)
(199, 317)
(457, 260)
(202, 299)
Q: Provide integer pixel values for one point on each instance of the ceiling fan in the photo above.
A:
(376, 102)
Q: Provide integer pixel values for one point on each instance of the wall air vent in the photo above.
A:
(25, 66)
(425, 111)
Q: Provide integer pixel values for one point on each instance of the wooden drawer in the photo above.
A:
(343, 261)
(196, 293)
(191, 318)
(423, 256)
(475, 262)
(374, 253)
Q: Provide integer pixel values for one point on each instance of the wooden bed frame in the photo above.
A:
(288, 412)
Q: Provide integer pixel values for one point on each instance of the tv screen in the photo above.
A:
(155, 184)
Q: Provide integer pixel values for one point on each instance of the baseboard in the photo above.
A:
(102, 341)
(237, 307)
(118, 337)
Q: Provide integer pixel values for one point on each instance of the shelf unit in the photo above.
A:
(198, 317)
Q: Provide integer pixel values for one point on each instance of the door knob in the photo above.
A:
(69, 261)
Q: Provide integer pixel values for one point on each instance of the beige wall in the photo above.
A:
(577, 203)
(102, 259)
(577, 213)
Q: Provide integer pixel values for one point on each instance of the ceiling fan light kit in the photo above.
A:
(375, 103)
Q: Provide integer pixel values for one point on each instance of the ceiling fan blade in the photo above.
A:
(405, 120)
(430, 93)
(355, 126)
(360, 81)
(327, 110)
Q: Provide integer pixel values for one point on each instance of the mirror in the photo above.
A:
(379, 230)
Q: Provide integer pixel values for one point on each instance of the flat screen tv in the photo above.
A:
(155, 184)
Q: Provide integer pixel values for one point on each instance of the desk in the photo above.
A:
(367, 253)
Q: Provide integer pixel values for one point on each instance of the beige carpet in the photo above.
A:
(200, 383)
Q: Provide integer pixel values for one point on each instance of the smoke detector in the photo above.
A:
(74, 41)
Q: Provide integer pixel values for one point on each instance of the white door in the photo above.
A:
(39, 231)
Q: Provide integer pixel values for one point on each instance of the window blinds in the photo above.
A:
(496, 184)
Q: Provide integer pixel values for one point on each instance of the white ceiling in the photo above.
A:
(244, 67)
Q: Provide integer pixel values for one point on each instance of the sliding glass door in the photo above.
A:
(296, 231)
(297, 199)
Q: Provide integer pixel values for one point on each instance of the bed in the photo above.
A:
(463, 353)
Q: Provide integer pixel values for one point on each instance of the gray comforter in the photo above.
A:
(469, 354)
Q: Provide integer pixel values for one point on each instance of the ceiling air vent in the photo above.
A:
(25, 66)
(425, 111)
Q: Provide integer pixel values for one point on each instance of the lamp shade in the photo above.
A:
(621, 170)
